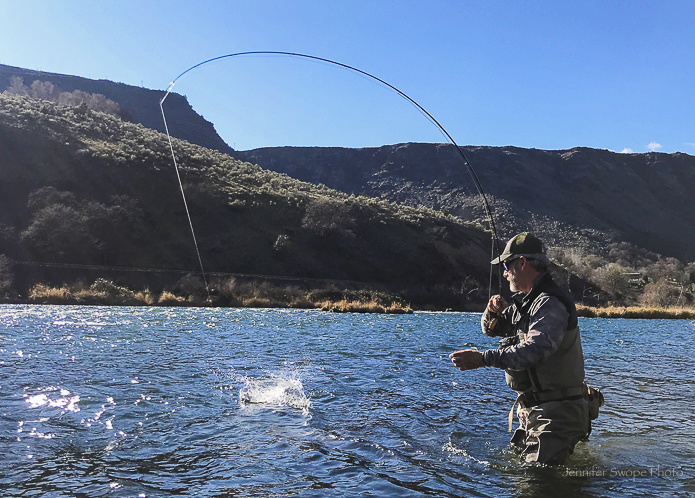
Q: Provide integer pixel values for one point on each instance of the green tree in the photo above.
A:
(115, 228)
(59, 232)
(66, 228)
(8, 239)
(6, 274)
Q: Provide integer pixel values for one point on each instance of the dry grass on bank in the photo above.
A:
(101, 292)
(635, 312)
(104, 292)
(50, 295)
(167, 298)
(345, 306)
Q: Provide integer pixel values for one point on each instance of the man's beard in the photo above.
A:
(512, 284)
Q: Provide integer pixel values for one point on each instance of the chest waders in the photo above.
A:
(560, 376)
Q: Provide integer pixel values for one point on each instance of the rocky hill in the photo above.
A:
(581, 197)
(138, 104)
(82, 190)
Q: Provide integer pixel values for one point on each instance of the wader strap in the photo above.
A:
(558, 394)
(531, 398)
(511, 412)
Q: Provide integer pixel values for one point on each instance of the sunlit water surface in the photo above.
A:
(98, 401)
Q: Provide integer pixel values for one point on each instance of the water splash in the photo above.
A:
(67, 402)
(451, 448)
(278, 390)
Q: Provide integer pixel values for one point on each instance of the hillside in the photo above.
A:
(138, 104)
(581, 198)
(79, 187)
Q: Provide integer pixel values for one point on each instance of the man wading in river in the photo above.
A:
(540, 351)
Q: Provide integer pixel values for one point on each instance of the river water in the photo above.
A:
(109, 401)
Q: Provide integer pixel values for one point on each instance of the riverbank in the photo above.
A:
(635, 312)
(264, 295)
(231, 294)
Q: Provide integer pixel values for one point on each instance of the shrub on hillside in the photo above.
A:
(45, 90)
(108, 289)
(6, 275)
(47, 196)
(325, 215)
(663, 293)
(191, 285)
(81, 231)
(59, 232)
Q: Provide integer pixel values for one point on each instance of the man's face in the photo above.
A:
(511, 273)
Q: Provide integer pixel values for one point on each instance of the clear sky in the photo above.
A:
(616, 75)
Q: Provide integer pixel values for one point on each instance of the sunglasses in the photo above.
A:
(507, 264)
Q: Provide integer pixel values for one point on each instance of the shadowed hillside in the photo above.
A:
(572, 198)
(79, 187)
(580, 197)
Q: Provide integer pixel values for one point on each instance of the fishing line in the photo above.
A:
(495, 251)
(183, 194)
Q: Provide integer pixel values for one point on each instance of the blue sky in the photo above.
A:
(615, 75)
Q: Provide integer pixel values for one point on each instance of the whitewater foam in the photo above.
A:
(276, 390)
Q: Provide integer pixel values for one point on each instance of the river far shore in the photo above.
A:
(246, 295)
(675, 312)
(106, 293)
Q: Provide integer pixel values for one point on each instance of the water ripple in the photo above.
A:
(154, 402)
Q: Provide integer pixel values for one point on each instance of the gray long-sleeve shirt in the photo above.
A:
(547, 325)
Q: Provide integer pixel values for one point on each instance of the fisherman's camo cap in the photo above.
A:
(525, 244)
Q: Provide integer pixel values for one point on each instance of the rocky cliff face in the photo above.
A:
(577, 197)
(139, 105)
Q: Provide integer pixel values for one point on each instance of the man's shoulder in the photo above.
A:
(547, 304)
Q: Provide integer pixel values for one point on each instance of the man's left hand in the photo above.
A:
(467, 359)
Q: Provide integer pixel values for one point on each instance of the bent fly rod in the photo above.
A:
(495, 250)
